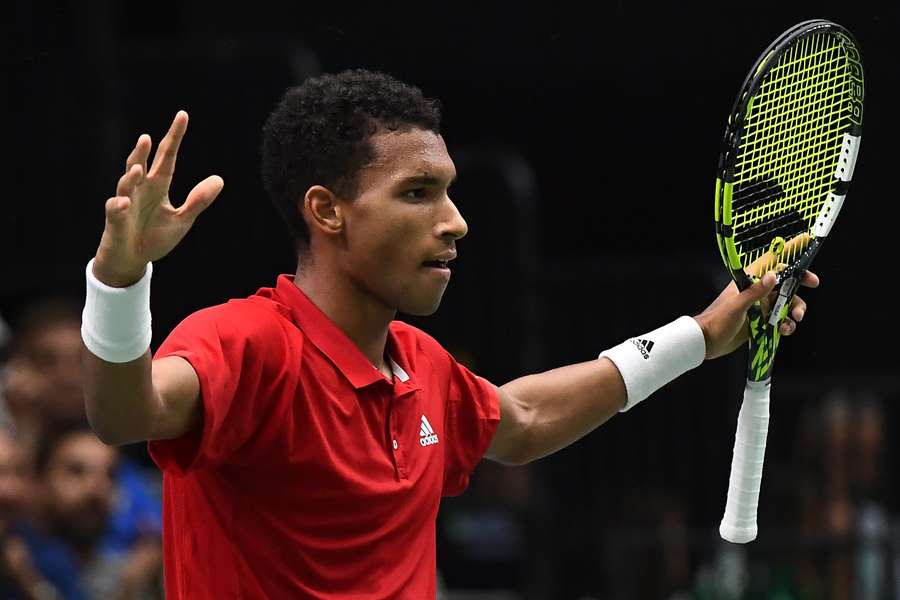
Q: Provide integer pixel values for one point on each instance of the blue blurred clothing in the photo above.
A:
(137, 512)
(59, 565)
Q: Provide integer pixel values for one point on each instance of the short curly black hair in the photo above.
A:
(319, 134)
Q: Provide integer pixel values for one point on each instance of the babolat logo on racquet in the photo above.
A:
(786, 163)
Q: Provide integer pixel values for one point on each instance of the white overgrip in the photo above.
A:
(739, 522)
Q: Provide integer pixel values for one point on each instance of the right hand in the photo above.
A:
(141, 223)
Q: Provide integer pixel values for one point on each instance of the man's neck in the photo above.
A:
(362, 317)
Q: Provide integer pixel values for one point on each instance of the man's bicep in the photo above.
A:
(177, 390)
(507, 443)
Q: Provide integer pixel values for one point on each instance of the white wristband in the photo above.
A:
(650, 361)
(115, 324)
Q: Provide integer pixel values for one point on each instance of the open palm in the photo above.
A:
(142, 225)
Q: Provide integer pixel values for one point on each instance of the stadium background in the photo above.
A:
(586, 141)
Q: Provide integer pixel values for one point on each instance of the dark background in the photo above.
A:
(586, 140)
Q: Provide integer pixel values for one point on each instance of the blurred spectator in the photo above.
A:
(5, 335)
(42, 385)
(646, 539)
(856, 489)
(18, 577)
(75, 473)
(842, 462)
(485, 534)
(42, 380)
(825, 522)
(833, 540)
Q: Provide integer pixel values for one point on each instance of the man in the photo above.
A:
(42, 380)
(75, 477)
(307, 437)
(18, 577)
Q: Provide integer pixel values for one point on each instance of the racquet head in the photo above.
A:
(786, 162)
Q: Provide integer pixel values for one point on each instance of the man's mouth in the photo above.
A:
(436, 264)
(440, 261)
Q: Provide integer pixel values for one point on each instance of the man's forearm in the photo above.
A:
(116, 364)
(555, 408)
(141, 399)
(543, 413)
(119, 398)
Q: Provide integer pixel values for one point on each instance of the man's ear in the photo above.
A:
(323, 210)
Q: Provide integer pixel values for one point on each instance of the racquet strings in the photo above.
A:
(789, 146)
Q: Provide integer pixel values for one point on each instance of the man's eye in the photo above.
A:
(75, 469)
(417, 194)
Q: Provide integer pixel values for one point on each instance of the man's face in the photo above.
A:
(402, 222)
(45, 375)
(79, 487)
(13, 486)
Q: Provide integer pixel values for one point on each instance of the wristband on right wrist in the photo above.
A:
(116, 322)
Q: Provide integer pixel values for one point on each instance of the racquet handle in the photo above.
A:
(739, 523)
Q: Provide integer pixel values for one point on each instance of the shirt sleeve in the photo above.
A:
(473, 414)
(231, 349)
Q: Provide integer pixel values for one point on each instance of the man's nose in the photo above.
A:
(452, 225)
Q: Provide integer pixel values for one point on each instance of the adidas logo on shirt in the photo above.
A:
(644, 346)
(427, 436)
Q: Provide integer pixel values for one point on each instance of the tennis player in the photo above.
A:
(306, 437)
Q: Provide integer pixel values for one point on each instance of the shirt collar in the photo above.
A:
(398, 371)
(325, 335)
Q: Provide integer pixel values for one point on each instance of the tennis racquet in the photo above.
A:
(786, 163)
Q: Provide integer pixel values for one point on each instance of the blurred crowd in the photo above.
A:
(78, 519)
(82, 520)
(828, 522)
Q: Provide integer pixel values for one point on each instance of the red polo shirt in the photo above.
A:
(313, 475)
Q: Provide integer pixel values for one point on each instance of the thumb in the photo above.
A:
(757, 291)
(202, 196)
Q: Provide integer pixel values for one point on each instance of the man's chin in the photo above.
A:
(422, 308)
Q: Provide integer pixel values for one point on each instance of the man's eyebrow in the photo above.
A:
(425, 180)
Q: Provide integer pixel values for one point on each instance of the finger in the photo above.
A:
(787, 327)
(203, 194)
(129, 181)
(809, 279)
(116, 209)
(167, 151)
(757, 291)
(798, 309)
(139, 154)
